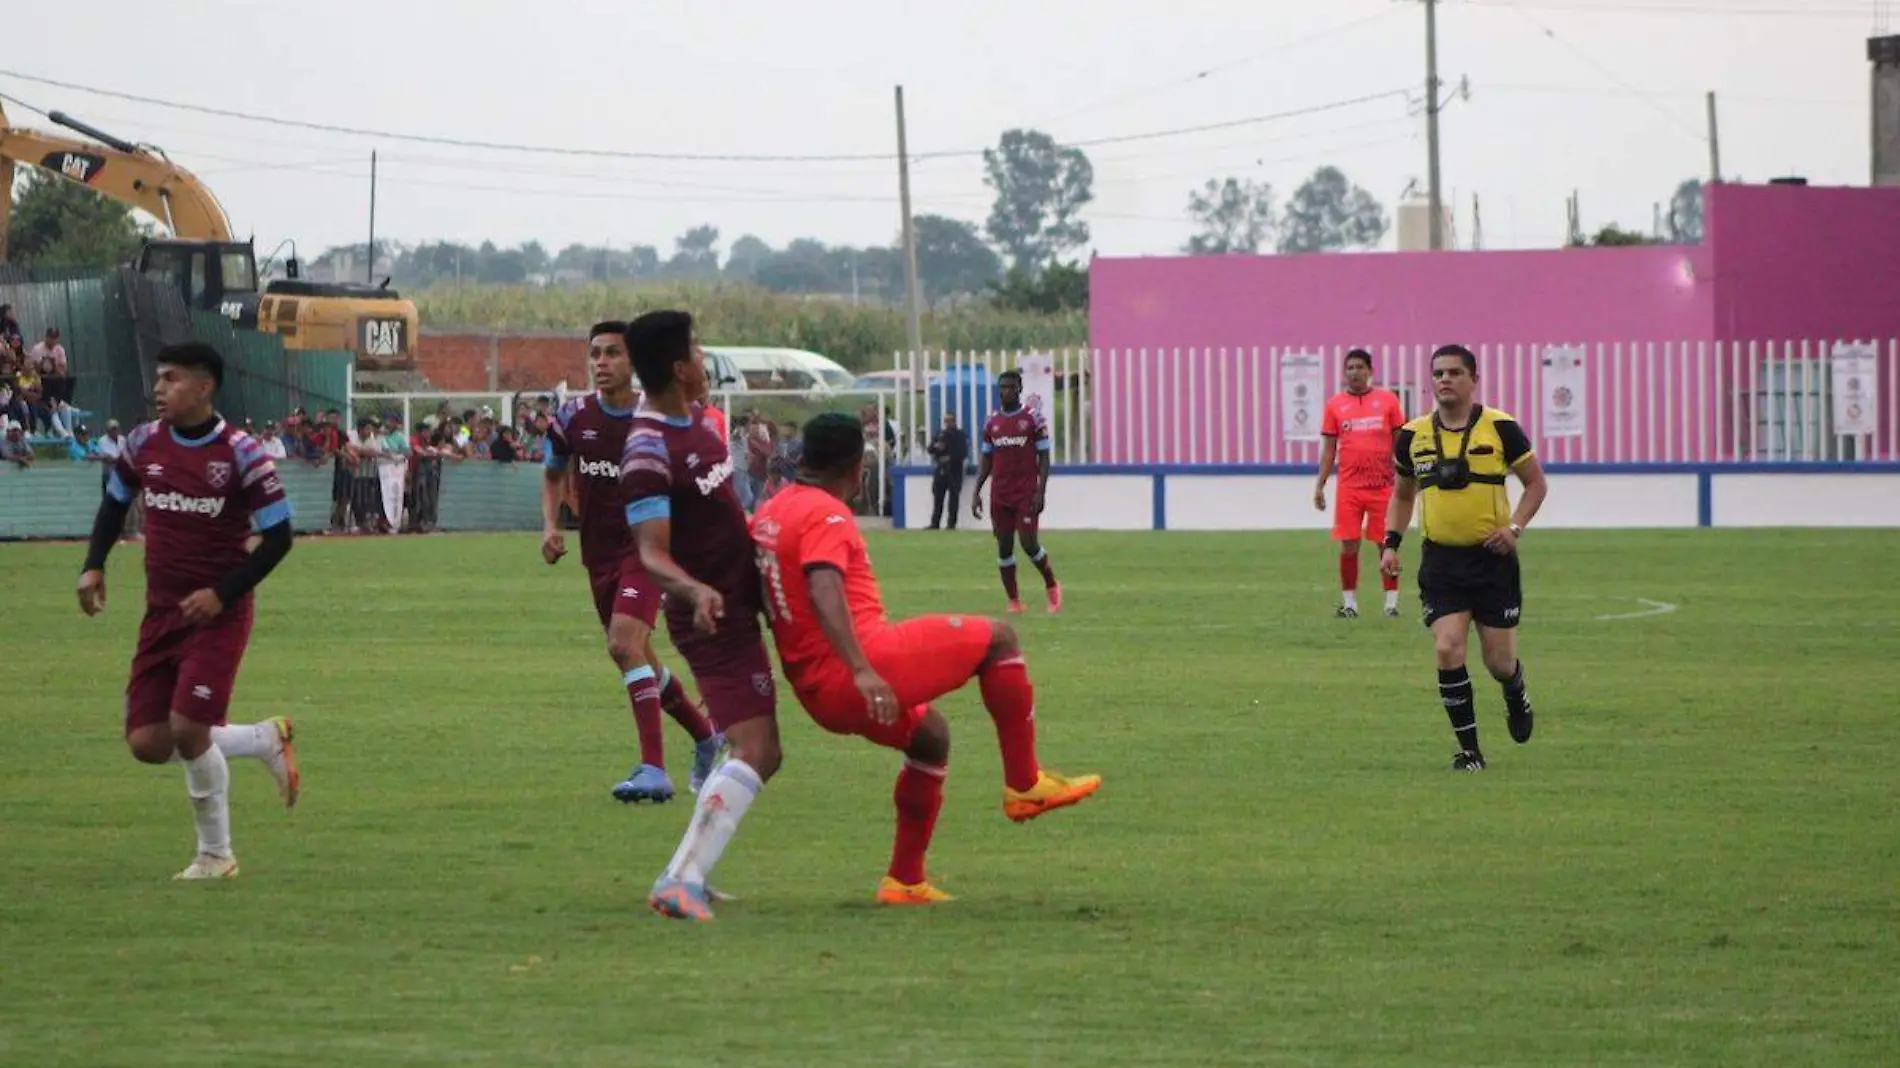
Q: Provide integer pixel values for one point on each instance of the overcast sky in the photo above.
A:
(1603, 96)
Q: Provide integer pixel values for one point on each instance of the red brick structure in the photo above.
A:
(493, 362)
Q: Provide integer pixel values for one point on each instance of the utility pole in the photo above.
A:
(914, 329)
(369, 272)
(1437, 207)
(1715, 144)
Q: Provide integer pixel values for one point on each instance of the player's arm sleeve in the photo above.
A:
(1329, 422)
(263, 491)
(983, 442)
(107, 525)
(1402, 453)
(556, 455)
(1517, 444)
(646, 477)
(1044, 442)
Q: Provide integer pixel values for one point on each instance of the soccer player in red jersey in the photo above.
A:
(586, 439)
(856, 672)
(691, 531)
(1015, 448)
(205, 486)
(1357, 431)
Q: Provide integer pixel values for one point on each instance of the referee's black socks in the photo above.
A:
(1454, 688)
(1515, 699)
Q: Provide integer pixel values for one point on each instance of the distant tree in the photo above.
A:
(786, 272)
(1234, 216)
(743, 259)
(61, 223)
(1041, 188)
(1613, 235)
(1685, 213)
(644, 261)
(1328, 213)
(1060, 287)
(695, 253)
(951, 258)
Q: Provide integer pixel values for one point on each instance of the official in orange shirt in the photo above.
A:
(1357, 430)
(856, 672)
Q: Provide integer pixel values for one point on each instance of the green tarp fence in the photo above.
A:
(113, 323)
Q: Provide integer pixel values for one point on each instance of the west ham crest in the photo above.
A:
(218, 473)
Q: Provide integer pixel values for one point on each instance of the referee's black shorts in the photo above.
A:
(1460, 578)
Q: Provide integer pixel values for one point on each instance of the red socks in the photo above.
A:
(684, 712)
(1390, 582)
(919, 797)
(1009, 580)
(1011, 701)
(1349, 572)
(644, 690)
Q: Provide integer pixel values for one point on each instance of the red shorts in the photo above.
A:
(626, 590)
(1012, 517)
(922, 659)
(1360, 513)
(731, 669)
(186, 669)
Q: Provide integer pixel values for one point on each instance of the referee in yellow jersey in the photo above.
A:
(1455, 464)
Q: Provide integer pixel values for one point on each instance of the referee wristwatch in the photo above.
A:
(1517, 530)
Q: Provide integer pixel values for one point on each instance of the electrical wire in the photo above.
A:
(1671, 9)
(501, 146)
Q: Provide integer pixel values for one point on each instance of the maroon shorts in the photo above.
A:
(731, 668)
(1014, 517)
(184, 668)
(625, 589)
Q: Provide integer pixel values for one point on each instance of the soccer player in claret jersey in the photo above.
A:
(1357, 431)
(856, 672)
(1015, 448)
(206, 486)
(691, 532)
(586, 439)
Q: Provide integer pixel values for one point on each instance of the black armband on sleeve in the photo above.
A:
(269, 553)
(107, 525)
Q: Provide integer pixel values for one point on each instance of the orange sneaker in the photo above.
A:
(1051, 792)
(892, 892)
(1015, 608)
(1055, 599)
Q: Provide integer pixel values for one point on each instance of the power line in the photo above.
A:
(500, 146)
(1673, 9)
(1600, 68)
(1220, 68)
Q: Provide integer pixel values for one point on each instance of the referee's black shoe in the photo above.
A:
(1468, 760)
(1518, 720)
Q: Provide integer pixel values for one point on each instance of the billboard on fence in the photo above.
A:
(1302, 394)
(1565, 392)
(1856, 373)
(1039, 386)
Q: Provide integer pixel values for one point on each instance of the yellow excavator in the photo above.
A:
(210, 270)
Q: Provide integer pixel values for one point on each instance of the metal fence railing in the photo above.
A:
(1615, 403)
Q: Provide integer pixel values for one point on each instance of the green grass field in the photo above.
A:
(1695, 861)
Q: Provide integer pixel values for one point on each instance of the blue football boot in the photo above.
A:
(647, 783)
(705, 758)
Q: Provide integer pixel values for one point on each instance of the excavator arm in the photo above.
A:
(131, 174)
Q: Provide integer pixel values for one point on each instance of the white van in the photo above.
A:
(770, 368)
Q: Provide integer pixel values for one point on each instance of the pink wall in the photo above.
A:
(1580, 295)
(1805, 263)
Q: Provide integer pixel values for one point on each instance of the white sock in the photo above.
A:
(1350, 598)
(728, 792)
(240, 740)
(1391, 598)
(208, 779)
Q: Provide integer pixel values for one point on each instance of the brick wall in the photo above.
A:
(483, 362)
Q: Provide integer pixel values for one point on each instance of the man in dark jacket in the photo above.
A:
(951, 450)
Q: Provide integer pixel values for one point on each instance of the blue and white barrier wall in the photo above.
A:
(1278, 497)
